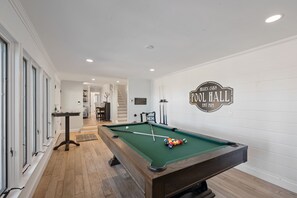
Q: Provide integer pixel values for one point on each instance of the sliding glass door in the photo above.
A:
(3, 115)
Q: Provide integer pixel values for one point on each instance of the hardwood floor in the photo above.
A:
(84, 172)
(93, 121)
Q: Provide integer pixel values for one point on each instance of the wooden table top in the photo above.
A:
(62, 114)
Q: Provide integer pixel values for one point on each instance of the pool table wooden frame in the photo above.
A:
(178, 176)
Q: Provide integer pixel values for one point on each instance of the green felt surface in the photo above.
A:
(156, 152)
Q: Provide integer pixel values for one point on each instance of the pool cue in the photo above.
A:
(160, 113)
(139, 133)
(152, 132)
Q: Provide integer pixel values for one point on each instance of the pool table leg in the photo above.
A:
(198, 190)
(114, 161)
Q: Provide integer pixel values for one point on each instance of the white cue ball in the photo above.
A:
(127, 127)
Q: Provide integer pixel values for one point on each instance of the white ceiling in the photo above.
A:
(184, 33)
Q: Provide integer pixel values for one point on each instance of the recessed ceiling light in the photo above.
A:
(149, 47)
(85, 83)
(93, 79)
(273, 18)
(118, 81)
(89, 60)
(152, 69)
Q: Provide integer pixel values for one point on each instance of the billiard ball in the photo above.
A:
(127, 127)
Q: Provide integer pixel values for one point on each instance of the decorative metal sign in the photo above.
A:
(211, 96)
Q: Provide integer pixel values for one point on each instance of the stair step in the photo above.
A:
(122, 107)
(89, 129)
(122, 120)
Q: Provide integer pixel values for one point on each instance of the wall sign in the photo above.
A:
(211, 96)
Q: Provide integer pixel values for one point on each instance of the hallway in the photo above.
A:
(90, 124)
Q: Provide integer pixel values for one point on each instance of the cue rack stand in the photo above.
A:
(163, 111)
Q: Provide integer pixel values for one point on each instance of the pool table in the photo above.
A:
(161, 171)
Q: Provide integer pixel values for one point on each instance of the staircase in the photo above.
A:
(122, 104)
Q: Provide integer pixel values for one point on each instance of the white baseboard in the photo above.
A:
(282, 182)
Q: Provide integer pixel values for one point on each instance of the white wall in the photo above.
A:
(106, 88)
(57, 106)
(12, 22)
(15, 24)
(138, 88)
(264, 112)
(72, 101)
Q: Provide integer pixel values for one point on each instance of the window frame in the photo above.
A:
(34, 108)
(12, 107)
(46, 108)
(34, 141)
(24, 111)
(4, 115)
(16, 175)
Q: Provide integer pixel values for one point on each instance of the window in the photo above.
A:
(46, 104)
(46, 107)
(3, 115)
(34, 109)
(24, 112)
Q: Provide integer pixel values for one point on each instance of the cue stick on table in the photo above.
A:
(139, 133)
(152, 132)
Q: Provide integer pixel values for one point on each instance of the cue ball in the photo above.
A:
(127, 127)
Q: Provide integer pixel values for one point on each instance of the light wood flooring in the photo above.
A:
(91, 124)
(92, 121)
(84, 172)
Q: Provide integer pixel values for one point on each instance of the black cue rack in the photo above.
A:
(163, 111)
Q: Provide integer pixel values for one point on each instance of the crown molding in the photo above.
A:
(248, 51)
(17, 6)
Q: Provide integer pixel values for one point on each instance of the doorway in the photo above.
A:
(95, 102)
(92, 99)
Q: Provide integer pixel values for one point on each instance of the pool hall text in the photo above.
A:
(210, 96)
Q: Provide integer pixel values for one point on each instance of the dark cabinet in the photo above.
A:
(107, 111)
(103, 112)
